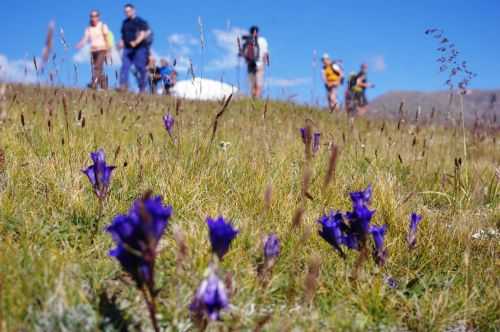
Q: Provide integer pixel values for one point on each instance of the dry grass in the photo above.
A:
(55, 273)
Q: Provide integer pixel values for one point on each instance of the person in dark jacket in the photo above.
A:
(135, 44)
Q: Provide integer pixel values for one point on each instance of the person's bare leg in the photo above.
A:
(258, 91)
(259, 82)
(334, 99)
(101, 79)
(362, 110)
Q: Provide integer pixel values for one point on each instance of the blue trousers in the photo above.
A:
(138, 57)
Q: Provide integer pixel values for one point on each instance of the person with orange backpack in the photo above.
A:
(333, 77)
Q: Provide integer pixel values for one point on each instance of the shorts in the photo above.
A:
(332, 88)
(256, 78)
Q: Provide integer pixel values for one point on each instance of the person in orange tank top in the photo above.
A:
(332, 77)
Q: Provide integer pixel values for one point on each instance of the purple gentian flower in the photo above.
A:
(379, 252)
(99, 173)
(359, 218)
(272, 247)
(351, 241)
(221, 235)
(412, 233)
(359, 223)
(303, 135)
(168, 121)
(332, 230)
(210, 298)
(391, 282)
(137, 235)
(315, 146)
(362, 197)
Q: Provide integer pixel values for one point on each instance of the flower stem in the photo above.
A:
(151, 304)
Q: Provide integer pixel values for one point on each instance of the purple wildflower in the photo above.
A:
(272, 247)
(315, 146)
(391, 282)
(379, 252)
(362, 197)
(332, 230)
(168, 121)
(99, 173)
(359, 218)
(221, 234)
(137, 235)
(303, 135)
(411, 238)
(351, 241)
(210, 298)
(315, 139)
(359, 224)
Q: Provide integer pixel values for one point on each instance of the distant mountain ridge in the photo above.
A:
(480, 106)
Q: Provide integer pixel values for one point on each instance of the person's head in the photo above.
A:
(163, 62)
(151, 61)
(364, 68)
(95, 17)
(254, 31)
(129, 10)
(326, 59)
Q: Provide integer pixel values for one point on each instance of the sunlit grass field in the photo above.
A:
(56, 275)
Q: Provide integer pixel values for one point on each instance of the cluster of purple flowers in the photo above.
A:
(353, 228)
(137, 235)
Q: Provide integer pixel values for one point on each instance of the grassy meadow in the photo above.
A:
(56, 275)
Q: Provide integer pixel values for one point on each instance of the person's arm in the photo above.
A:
(140, 38)
(84, 40)
(174, 77)
(144, 33)
(265, 50)
(267, 60)
(360, 82)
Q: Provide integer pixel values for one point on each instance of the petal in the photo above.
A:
(89, 171)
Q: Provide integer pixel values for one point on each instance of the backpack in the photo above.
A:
(110, 37)
(333, 75)
(352, 81)
(251, 50)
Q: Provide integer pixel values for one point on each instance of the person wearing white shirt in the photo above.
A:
(256, 53)
(97, 35)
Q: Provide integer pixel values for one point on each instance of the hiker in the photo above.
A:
(136, 43)
(153, 75)
(165, 73)
(256, 54)
(332, 76)
(100, 38)
(356, 90)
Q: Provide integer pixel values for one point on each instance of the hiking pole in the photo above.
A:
(238, 67)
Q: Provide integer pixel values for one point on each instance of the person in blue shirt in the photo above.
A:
(165, 73)
(136, 44)
(168, 75)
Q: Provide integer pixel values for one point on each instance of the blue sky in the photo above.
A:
(389, 35)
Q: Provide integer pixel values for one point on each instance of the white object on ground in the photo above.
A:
(203, 89)
(483, 234)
